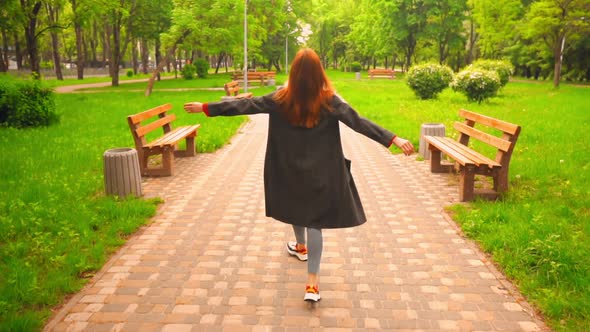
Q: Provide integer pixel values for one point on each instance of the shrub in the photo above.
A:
(130, 73)
(428, 80)
(355, 67)
(502, 68)
(26, 103)
(202, 67)
(477, 84)
(188, 71)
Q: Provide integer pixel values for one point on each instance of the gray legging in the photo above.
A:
(315, 244)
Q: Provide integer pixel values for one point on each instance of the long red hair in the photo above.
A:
(307, 92)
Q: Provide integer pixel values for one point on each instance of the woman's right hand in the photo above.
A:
(194, 107)
(404, 145)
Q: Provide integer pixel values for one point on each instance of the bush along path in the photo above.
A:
(211, 259)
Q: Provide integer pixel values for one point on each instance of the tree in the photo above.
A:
(10, 18)
(497, 22)
(54, 8)
(81, 12)
(558, 23)
(120, 15)
(31, 9)
(406, 22)
(445, 25)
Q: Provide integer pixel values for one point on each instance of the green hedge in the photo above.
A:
(477, 84)
(188, 71)
(502, 68)
(202, 68)
(428, 80)
(26, 103)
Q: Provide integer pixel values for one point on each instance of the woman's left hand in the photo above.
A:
(194, 107)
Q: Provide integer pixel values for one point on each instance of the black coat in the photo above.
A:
(307, 180)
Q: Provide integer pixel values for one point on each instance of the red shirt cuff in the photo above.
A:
(391, 142)
(206, 109)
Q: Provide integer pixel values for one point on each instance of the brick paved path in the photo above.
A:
(211, 260)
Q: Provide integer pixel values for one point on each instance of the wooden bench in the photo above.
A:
(469, 162)
(232, 89)
(389, 73)
(254, 76)
(166, 145)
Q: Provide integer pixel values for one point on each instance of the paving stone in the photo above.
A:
(211, 261)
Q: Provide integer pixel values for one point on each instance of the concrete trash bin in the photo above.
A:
(122, 176)
(429, 129)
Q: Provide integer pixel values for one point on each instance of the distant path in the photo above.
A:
(73, 88)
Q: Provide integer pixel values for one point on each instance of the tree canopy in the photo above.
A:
(541, 38)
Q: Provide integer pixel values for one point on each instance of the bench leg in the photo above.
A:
(167, 161)
(466, 183)
(190, 147)
(500, 182)
(143, 162)
(190, 150)
(435, 161)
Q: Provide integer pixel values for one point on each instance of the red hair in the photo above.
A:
(307, 92)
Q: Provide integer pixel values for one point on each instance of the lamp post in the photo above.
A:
(245, 45)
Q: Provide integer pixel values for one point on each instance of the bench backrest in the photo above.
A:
(505, 143)
(232, 88)
(381, 71)
(163, 121)
(254, 74)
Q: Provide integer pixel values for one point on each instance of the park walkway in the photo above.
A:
(211, 260)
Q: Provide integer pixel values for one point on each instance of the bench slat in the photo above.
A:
(504, 126)
(441, 144)
(142, 131)
(174, 136)
(482, 136)
(137, 118)
(475, 156)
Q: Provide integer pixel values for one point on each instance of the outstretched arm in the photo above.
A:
(240, 106)
(356, 122)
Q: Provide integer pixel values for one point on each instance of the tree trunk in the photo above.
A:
(144, 56)
(472, 40)
(558, 58)
(80, 54)
(116, 49)
(56, 58)
(4, 62)
(18, 51)
(161, 64)
(219, 60)
(53, 16)
(135, 58)
(31, 39)
(158, 56)
(106, 48)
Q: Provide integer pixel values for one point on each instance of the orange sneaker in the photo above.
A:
(312, 294)
(299, 253)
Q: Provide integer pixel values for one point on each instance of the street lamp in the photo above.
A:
(245, 45)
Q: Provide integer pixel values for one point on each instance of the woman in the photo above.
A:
(307, 180)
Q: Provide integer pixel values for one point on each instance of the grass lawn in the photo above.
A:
(57, 228)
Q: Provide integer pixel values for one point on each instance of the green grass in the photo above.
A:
(539, 233)
(56, 226)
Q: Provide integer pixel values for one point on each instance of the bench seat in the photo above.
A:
(173, 137)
